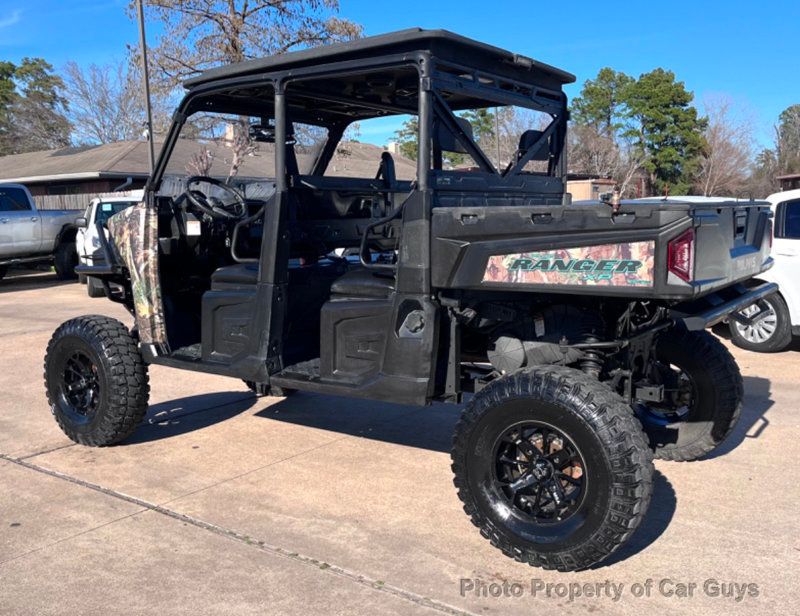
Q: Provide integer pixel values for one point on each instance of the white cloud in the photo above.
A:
(10, 20)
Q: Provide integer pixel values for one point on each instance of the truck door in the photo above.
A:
(82, 238)
(20, 224)
(786, 251)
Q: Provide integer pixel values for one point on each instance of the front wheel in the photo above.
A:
(552, 467)
(96, 380)
(770, 330)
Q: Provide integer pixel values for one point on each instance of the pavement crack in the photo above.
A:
(229, 533)
(254, 470)
(73, 536)
(41, 453)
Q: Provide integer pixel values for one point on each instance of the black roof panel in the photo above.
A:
(440, 42)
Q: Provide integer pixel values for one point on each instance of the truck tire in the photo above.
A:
(94, 288)
(96, 381)
(263, 389)
(552, 467)
(771, 333)
(65, 260)
(706, 401)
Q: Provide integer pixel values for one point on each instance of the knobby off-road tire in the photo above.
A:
(776, 332)
(96, 381)
(263, 389)
(716, 396)
(65, 260)
(615, 469)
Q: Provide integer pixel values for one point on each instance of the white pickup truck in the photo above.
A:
(28, 235)
(774, 320)
(100, 209)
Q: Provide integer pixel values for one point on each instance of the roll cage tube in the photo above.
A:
(556, 129)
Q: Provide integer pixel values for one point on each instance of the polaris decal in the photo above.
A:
(616, 265)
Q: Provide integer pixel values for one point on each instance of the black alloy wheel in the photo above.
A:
(541, 472)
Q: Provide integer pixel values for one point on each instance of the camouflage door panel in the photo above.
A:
(134, 232)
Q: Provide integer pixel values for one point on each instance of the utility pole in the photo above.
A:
(146, 84)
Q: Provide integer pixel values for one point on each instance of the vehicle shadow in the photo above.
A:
(428, 428)
(752, 421)
(174, 417)
(432, 428)
(30, 280)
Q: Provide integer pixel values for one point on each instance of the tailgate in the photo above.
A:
(733, 243)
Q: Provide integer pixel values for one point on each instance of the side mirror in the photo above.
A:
(81, 222)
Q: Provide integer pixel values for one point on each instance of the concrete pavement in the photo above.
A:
(227, 503)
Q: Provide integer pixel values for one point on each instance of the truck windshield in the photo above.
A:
(107, 210)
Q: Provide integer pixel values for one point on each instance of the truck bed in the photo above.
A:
(585, 248)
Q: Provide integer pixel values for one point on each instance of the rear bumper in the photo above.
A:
(718, 306)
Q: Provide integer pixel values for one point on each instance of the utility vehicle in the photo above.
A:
(571, 327)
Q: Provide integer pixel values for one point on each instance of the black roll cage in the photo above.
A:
(435, 76)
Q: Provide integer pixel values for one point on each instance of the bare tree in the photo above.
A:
(199, 34)
(729, 150)
(601, 154)
(592, 152)
(242, 146)
(106, 104)
(200, 162)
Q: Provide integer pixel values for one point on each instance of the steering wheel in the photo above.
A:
(212, 206)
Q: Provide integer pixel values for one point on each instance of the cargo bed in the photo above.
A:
(675, 250)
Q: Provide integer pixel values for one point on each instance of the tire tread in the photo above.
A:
(613, 421)
(128, 387)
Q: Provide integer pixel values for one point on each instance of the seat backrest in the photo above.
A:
(527, 139)
(447, 141)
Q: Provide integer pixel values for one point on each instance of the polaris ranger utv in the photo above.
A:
(576, 330)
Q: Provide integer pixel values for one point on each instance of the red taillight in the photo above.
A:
(680, 258)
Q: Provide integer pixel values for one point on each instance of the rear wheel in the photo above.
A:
(65, 260)
(770, 330)
(552, 467)
(703, 393)
(96, 380)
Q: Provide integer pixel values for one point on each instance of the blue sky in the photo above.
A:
(747, 50)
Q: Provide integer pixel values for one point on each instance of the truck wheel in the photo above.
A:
(552, 467)
(263, 389)
(96, 381)
(703, 396)
(772, 332)
(66, 258)
(95, 288)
